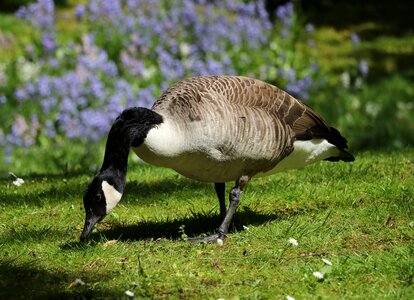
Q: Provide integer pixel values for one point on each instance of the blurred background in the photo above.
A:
(67, 67)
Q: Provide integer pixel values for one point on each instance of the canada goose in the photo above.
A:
(214, 129)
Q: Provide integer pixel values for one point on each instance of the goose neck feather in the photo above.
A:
(129, 129)
(162, 144)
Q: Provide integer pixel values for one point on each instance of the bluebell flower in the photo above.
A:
(48, 105)
(213, 67)
(68, 105)
(284, 33)
(355, 38)
(43, 85)
(95, 123)
(263, 15)
(146, 96)
(309, 28)
(40, 14)
(116, 102)
(18, 131)
(284, 14)
(96, 87)
(20, 94)
(79, 12)
(8, 152)
(49, 129)
(363, 67)
(48, 42)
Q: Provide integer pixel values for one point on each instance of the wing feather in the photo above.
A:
(293, 119)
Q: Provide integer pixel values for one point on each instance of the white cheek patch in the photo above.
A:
(112, 196)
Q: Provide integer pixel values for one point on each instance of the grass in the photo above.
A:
(360, 216)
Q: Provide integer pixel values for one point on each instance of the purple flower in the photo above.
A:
(284, 33)
(43, 85)
(68, 105)
(48, 42)
(48, 105)
(3, 99)
(8, 151)
(300, 87)
(309, 28)
(49, 129)
(284, 14)
(355, 38)
(213, 67)
(363, 67)
(18, 130)
(146, 97)
(40, 14)
(22, 12)
(79, 12)
(95, 122)
(21, 94)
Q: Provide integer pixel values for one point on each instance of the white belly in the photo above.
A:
(195, 165)
(303, 154)
(164, 151)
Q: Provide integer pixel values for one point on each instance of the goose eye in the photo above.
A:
(98, 197)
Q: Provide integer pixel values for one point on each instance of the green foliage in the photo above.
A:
(373, 116)
(69, 81)
(12, 5)
(321, 65)
(358, 215)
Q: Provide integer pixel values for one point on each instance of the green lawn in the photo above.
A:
(359, 216)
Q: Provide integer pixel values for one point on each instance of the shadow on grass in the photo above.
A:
(196, 225)
(27, 281)
(23, 234)
(135, 192)
(145, 192)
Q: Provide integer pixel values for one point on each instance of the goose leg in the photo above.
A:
(235, 195)
(220, 189)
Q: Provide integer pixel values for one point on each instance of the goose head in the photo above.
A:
(100, 198)
(105, 190)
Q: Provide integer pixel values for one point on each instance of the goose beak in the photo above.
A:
(90, 222)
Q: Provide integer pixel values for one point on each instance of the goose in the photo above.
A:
(214, 129)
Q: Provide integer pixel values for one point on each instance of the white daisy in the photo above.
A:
(318, 275)
(293, 242)
(18, 182)
(326, 261)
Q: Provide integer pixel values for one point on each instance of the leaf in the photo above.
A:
(108, 243)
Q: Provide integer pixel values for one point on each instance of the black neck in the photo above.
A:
(129, 129)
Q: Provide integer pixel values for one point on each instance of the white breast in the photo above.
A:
(162, 144)
(191, 153)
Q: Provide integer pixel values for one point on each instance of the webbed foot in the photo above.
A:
(212, 239)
